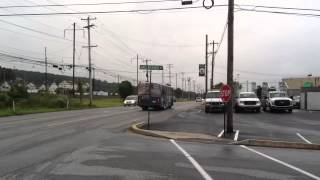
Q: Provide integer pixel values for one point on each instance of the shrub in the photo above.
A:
(18, 92)
(4, 100)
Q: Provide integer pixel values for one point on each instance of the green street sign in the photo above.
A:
(307, 84)
(151, 67)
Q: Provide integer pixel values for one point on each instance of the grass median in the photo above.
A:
(63, 105)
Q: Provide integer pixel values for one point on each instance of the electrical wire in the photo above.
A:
(103, 12)
(87, 4)
(281, 12)
(221, 38)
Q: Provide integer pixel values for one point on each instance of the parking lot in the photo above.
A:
(299, 126)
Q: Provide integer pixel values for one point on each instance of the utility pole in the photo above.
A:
(206, 77)
(194, 86)
(176, 80)
(46, 68)
(185, 85)
(147, 71)
(169, 67)
(212, 66)
(189, 88)
(247, 85)
(230, 66)
(137, 71)
(182, 79)
(89, 26)
(162, 77)
(73, 53)
(93, 79)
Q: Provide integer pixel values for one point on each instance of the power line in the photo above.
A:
(279, 7)
(102, 12)
(282, 12)
(87, 4)
(221, 38)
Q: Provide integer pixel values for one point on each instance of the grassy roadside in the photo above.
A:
(74, 105)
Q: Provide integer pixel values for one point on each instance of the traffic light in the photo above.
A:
(186, 2)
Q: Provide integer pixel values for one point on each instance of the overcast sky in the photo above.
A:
(273, 45)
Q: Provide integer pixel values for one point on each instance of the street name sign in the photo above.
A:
(151, 67)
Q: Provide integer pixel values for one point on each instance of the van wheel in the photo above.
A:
(290, 110)
(206, 110)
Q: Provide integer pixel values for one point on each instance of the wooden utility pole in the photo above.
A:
(176, 80)
(73, 53)
(169, 67)
(46, 64)
(137, 71)
(206, 75)
(89, 26)
(212, 67)
(230, 66)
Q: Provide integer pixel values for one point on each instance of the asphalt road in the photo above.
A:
(95, 144)
(280, 126)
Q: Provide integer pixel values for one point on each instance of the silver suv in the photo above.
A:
(213, 101)
(247, 101)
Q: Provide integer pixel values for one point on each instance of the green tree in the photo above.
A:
(178, 93)
(18, 92)
(125, 89)
(219, 85)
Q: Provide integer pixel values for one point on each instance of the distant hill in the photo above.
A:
(38, 78)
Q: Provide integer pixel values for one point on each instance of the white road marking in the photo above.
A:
(203, 173)
(236, 136)
(199, 111)
(283, 163)
(221, 133)
(303, 138)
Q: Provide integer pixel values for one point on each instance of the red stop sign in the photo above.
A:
(225, 93)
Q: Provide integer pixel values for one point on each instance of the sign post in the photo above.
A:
(225, 95)
(150, 68)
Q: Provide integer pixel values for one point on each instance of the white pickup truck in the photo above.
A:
(277, 100)
(213, 101)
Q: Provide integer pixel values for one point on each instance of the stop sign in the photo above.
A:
(225, 93)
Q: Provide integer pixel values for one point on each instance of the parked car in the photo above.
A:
(296, 102)
(198, 99)
(277, 100)
(247, 101)
(130, 100)
(213, 101)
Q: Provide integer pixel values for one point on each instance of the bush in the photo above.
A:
(47, 100)
(4, 100)
(18, 92)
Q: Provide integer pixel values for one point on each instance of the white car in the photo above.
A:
(213, 101)
(130, 100)
(247, 101)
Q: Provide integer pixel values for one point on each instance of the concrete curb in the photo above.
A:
(137, 128)
(183, 136)
(277, 144)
